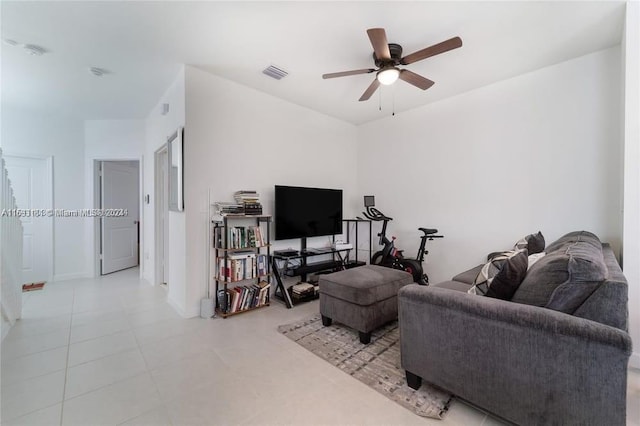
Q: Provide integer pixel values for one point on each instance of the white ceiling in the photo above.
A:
(143, 43)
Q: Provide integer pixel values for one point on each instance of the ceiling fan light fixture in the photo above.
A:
(388, 75)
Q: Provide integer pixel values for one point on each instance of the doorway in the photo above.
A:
(118, 223)
(32, 182)
(161, 209)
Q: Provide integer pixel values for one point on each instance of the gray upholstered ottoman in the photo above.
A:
(363, 298)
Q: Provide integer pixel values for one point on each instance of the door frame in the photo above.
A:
(161, 202)
(97, 229)
(49, 205)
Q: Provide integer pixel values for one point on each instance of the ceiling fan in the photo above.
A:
(388, 56)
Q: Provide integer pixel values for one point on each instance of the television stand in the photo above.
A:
(284, 265)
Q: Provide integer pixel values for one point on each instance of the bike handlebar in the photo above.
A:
(376, 215)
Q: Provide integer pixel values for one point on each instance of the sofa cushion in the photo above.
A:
(468, 277)
(454, 285)
(501, 276)
(564, 278)
(533, 243)
(572, 237)
(609, 303)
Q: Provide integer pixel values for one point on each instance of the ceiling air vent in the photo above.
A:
(275, 72)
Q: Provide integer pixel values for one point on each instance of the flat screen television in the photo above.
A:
(307, 212)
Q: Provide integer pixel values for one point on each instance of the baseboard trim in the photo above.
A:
(73, 276)
(193, 312)
(176, 306)
(634, 360)
(184, 313)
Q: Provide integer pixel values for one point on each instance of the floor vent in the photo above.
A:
(275, 72)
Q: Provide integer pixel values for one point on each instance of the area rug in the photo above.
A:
(377, 364)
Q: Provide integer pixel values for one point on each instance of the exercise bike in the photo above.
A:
(392, 257)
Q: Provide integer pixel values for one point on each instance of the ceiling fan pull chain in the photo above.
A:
(379, 100)
(393, 105)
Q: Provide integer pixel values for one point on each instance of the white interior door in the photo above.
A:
(31, 179)
(119, 192)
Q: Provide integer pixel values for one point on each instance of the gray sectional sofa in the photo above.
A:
(556, 353)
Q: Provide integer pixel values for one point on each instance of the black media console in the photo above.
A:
(295, 264)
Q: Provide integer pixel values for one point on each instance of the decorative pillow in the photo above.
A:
(501, 276)
(533, 258)
(534, 243)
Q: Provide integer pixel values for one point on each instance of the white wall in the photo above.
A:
(158, 128)
(631, 101)
(107, 140)
(45, 134)
(541, 151)
(239, 138)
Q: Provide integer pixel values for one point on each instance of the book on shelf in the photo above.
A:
(225, 208)
(253, 209)
(222, 300)
(246, 196)
(242, 255)
(302, 288)
(250, 200)
(238, 237)
(302, 291)
(244, 297)
(261, 265)
(219, 237)
(236, 299)
(241, 266)
(264, 292)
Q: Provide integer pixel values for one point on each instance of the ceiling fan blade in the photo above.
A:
(378, 39)
(346, 73)
(370, 90)
(436, 49)
(415, 79)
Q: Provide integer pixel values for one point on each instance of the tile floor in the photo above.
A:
(110, 351)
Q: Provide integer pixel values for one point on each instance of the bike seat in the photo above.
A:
(428, 231)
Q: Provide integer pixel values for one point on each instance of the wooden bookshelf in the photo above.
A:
(243, 248)
(230, 314)
(246, 276)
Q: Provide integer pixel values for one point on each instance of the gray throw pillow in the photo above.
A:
(501, 276)
(533, 243)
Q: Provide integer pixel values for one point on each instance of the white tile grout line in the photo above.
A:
(148, 371)
(66, 365)
(73, 289)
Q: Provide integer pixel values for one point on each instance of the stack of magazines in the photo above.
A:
(302, 290)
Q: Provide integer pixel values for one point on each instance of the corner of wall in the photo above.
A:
(181, 310)
(157, 128)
